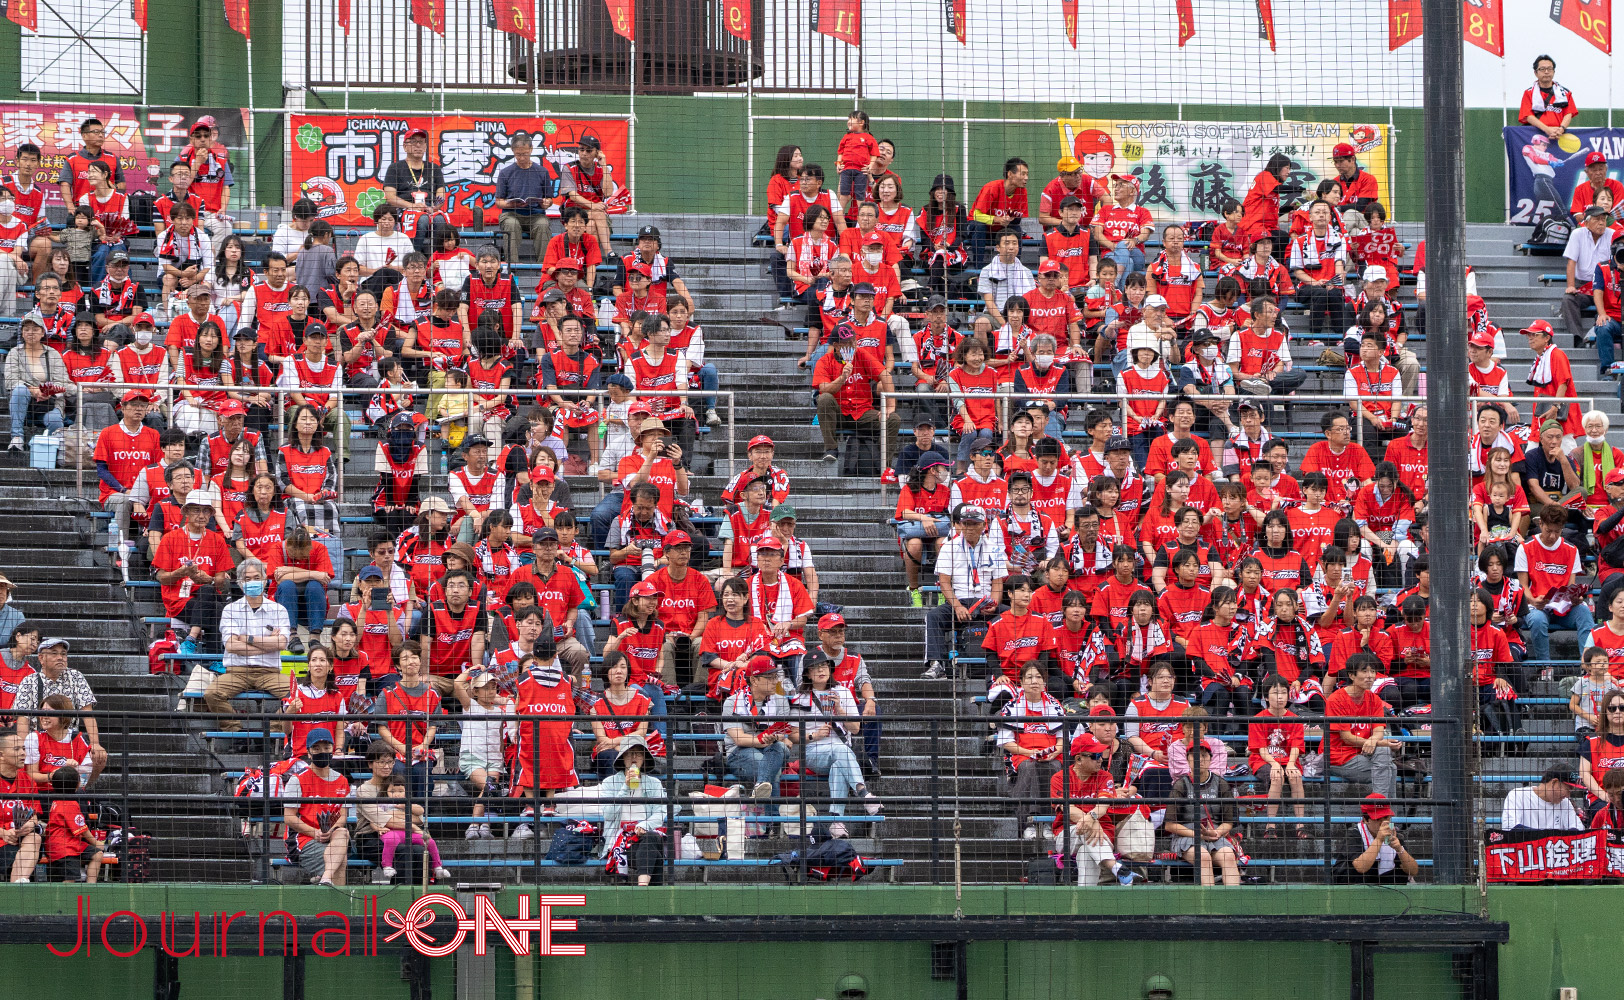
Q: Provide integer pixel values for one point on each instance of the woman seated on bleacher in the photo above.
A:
(828, 749)
(317, 695)
(635, 837)
(1030, 730)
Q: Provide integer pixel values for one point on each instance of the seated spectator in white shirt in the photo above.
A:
(970, 568)
(1545, 805)
(1004, 277)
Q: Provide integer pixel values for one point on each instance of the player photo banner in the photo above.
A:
(1539, 856)
(146, 141)
(1186, 170)
(1544, 173)
(339, 161)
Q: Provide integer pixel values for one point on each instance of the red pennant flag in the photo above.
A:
(429, 14)
(736, 16)
(1186, 21)
(23, 13)
(237, 17)
(1483, 24)
(516, 17)
(1068, 10)
(1265, 21)
(1403, 23)
(953, 11)
(842, 19)
(138, 12)
(1591, 20)
(344, 15)
(623, 18)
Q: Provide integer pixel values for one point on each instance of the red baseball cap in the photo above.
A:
(135, 394)
(542, 474)
(232, 408)
(1086, 743)
(640, 407)
(760, 664)
(1102, 710)
(638, 267)
(1481, 338)
(677, 537)
(645, 588)
(1539, 326)
(1375, 806)
(415, 133)
(1614, 477)
(758, 441)
(771, 544)
(143, 317)
(831, 620)
(1343, 149)
(207, 121)
(1595, 156)
(1049, 265)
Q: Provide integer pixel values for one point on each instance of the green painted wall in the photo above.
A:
(1559, 937)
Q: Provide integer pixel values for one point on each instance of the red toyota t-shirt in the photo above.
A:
(126, 454)
(1016, 641)
(1342, 703)
(681, 601)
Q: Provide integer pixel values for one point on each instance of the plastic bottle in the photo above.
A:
(264, 219)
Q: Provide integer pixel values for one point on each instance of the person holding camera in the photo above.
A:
(1122, 229)
(1372, 852)
(636, 540)
(970, 568)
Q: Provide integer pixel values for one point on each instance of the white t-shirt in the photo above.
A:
(482, 732)
(374, 251)
(1523, 807)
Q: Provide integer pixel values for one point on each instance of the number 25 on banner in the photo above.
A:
(1484, 25)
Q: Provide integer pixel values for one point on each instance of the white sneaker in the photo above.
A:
(1030, 833)
(473, 831)
(712, 418)
(871, 803)
(389, 874)
(522, 832)
(442, 874)
(762, 790)
(16, 443)
(837, 830)
(485, 832)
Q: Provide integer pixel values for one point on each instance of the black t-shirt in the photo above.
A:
(1542, 471)
(406, 181)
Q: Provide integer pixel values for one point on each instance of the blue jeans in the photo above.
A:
(604, 514)
(1056, 425)
(656, 697)
(871, 740)
(835, 759)
(1129, 261)
(1141, 443)
(1606, 334)
(313, 595)
(98, 260)
(22, 404)
(707, 382)
(754, 765)
(626, 578)
(1538, 625)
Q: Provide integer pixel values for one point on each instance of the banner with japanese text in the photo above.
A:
(1186, 169)
(145, 141)
(1540, 856)
(1544, 174)
(339, 161)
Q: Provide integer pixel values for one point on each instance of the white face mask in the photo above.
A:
(872, 258)
(7, 207)
(1042, 361)
(1209, 353)
(143, 336)
(1596, 440)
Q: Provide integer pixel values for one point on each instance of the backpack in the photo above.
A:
(1553, 230)
(156, 664)
(833, 859)
(574, 844)
(1052, 869)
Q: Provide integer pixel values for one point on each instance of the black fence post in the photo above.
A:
(935, 801)
(129, 821)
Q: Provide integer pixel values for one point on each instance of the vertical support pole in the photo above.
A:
(1453, 697)
(750, 127)
(253, 143)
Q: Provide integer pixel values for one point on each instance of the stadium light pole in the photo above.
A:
(1453, 699)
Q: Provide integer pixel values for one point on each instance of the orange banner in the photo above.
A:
(623, 17)
(1068, 11)
(1403, 23)
(1483, 24)
(237, 17)
(842, 19)
(1186, 22)
(736, 15)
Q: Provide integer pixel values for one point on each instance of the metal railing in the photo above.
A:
(1119, 402)
(278, 425)
(958, 790)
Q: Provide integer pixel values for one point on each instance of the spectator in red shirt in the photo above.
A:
(301, 581)
(845, 381)
(1547, 105)
(122, 451)
(999, 204)
(193, 567)
(1122, 229)
(1596, 181)
(1260, 212)
(1546, 566)
(853, 154)
(1361, 751)
(687, 601)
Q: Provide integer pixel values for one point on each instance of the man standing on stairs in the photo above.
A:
(846, 379)
(254, 630)
(122, 451)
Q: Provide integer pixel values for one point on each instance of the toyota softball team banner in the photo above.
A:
(1186, 169)
(1545, 172)
(339, 161)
